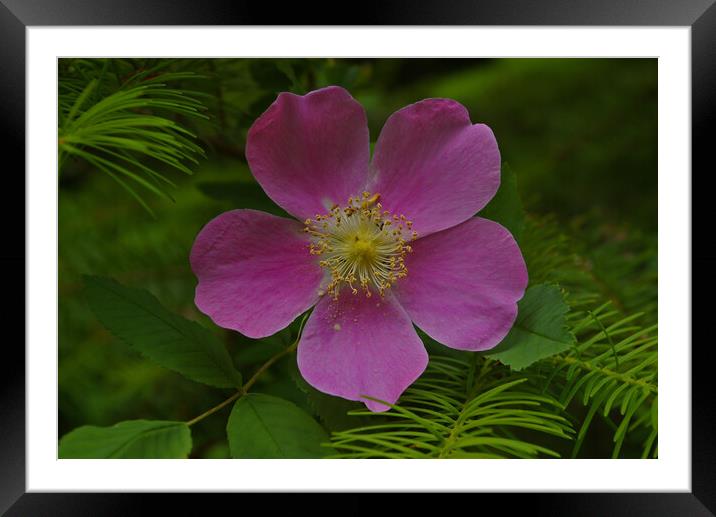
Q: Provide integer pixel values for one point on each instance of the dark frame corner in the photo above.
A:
(700, 15)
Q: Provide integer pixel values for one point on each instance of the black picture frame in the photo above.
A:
(17, 15)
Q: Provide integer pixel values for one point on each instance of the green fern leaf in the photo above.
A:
(448, 413)
(126, 128)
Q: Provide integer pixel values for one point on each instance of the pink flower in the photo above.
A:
(381, 245)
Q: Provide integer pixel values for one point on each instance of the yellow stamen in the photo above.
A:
(361, 243)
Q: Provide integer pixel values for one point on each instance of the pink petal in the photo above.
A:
(255, 272)
(357, 346)
(309, 152)
(434, 166)
(463, 284)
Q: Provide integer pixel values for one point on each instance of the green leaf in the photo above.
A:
(262, 426)
(137, 318)
(540, 329)
(130, 439)
(506, 207)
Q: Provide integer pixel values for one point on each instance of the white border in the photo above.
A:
(671, 472)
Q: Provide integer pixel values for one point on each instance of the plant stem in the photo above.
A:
(245, 388)
(216, 408)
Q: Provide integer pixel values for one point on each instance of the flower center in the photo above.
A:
(361, 245)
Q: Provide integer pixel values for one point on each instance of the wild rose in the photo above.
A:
(377, 245)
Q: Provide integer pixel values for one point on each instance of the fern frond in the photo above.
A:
(125, 126)
(612, 371)
(452, 413)
(619, 269)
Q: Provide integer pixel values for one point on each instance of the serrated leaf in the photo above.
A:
(506, 207)
(262, 426)
(540, 330)
(130, 439)
(137, 318)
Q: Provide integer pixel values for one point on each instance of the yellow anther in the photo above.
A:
(369, 200)
(359, 243)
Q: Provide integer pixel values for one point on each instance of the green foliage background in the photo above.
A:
(151, 150)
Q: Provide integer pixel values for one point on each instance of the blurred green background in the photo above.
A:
(580, 135)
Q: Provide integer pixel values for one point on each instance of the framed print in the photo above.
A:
(359, 258)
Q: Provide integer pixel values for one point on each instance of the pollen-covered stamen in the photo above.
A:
(362, 245)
